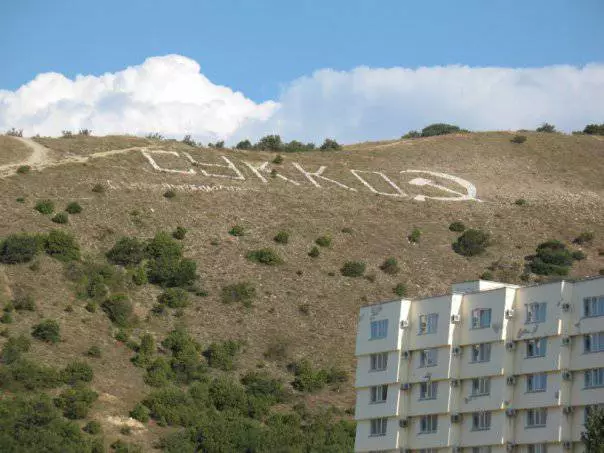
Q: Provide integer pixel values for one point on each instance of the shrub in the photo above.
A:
(330, 145)
(92, 427)
(439, 129)
(415, 235)
(77, 372)
(85, 132)
(412, 134)
(172, 272)
(282, 237)
(174, 298)
(472, 242)
(25, 303)
(486, 275)
(314, 252)
(119, 446)
(19, 248)
(67, 134)
(584, 238)
(20, 199)
(62, 246)
(169, 194)
(390, 266)
(518, 139)
(47, 330)
(45, 207)
(12, 132)
(346, 230)
(400, 290)
(270, 143)
(187, 140)
(94, 351)
(307, 379)
(243, 292)
(594, 129)
(61, 217)
(139, 275)
(76, 402)
(127, 252)
(278, 159)
(73, 208)
(578, 255)
(23, 169)
(244, 144)
(323, 241)
(546, 127)
(119, 309)
(140, 413)
(264, 256)
(222, 355)
(458, 227)
(353, 269)
(262, 385)
(6, 318)
(552, 258)
(13, 348)
(225, 394)
(237, 230)
(179, 233)
(520, 202)
(99, 188)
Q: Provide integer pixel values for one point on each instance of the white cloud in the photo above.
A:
(169, 95)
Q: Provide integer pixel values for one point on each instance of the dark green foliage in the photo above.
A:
(45, 207)
(179, 233)
(77, 372)
(400, 290)
(186, 358)
(264, 256)
(243, 292)
(296, 147)
(127, 252)
(546, 127)
(222, 355)
(92, 427)
(440, 129)
(169, 194)
(119, 309)
(218, 145)
(486, 275)
(314, 252)
(584, 238)
(99, 188)
(20, 199)
(62, 246)
(270, 143)
(61, 218)
(188, 140)
(278, 159)
(76, 402)
(412, 134)
(330, 145)
(47, 330)
(6, 318)
(244, 144)
(323, 241)
(172, 272)
(518, 139)
(310, 380)
(139, 275)
(346, 230)
(94, 351)
(282, 237)
(520, 202)
(237, 230)
(552, 258)
(140, 413)
(23, 169)
(458, 227)
(19, 248)
(159, 373)
(578, 255)
(263, 385)
(73, 208)
(390, 266)
(353, 269)
(415, 235)
(119, 446)
(174, 298)
(25, 303)
(594, 129)
(27, 375)
(14, 348)
(163, 246)
(472, 242)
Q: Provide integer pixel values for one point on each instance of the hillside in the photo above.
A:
(368, 199)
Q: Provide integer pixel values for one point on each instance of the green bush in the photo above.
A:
(314, 252)
(237, 230)
(306, 378)
(14, 348)
(323, 241)
(119, 309)
(172, 272)
(139, 275)
(270, 143)
(76, 402)
(92, 427)
(578, 255)
(412, 134)
(520, 202)
(222, 355)
(119, 446)
(27, 375)
(62, 246)
(99, 188)
(472, 242)
(77, 372)
(127, 252)
(23, 169)
(546, 127)
(169, 194)
(179, 233)
(45, 207)
(140, 413)
(330, 145)
(226, 394)
(552, 258)
(243, 292)
(25, 303)
(263, 385)
(415, 235)
(458, 227)
(353, 269)
(400, 290)
(244, 144)
(61, 217)
(584, 238)
(282, 237)
(518, 139)
(6, 318)
(19, 248)
(390, 266)
(440, 129)
(159, 373)
(73, 208)
(47, 330)
(278, 159)
(94, 351)
(264, 256)
(174, 298)
(594, 129)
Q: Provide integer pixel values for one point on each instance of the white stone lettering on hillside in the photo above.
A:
(319, 174)
(263, 168)
(230, 165)
(154, 164)
(397, 189)
(468, 186)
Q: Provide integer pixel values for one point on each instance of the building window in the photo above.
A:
(536, 418)
(379, 362)
(378, 426)
(428, 323)
(428, 424)
(481, 352)
(593, 306)
(428, 390)
(379, 329)
(536, 382)
(535, 312)
(481, 450)
(481, 318)
(537, 448)
(481, 386)
(593, 342)
(428, 357)
(481, 421)
(536, 348)
(427, 450)
(379, 393)
(594, 378)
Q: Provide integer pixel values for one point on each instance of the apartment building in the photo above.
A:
(489, 368)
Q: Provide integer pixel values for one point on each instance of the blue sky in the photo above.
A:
(271, 50)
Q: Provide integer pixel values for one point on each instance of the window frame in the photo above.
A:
(483, 418)
(378, 394)
(589, 339)
(532, 379)
(537, 448)
(484, 351)
(477, 318)
(593, 306)
(428, 353)
(430, 323)
(533, 316)
(381, 329)
(378, 427)
(486, 386)
(595, 374)
(431, 390)
(537, 414)
(428, 421)
(538, 343)
(378, 356)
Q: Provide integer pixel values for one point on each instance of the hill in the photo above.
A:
(366, 199)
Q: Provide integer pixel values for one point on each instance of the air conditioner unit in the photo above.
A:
(565, 307)
(510, 380)
(455, 382)
(456, 351)
(567, 410)
(510, 446)
(567, 445)
(509, 314)
(565, 341)
(567, 375)
(405, 386)
(510, 345)
(455, 418)
(404, 324)
(455, 319)
(403, 422)
(510, 412)
(405, 355)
